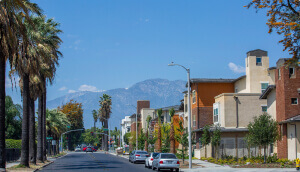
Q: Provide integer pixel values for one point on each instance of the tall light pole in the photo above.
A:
(189, 113)
(136, 128)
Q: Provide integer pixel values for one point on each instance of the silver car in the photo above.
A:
(165, 161)
(149, 160)
(138, 156)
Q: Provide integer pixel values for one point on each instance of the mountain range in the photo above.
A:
(160, 92)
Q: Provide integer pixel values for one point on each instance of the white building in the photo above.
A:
(126, 124)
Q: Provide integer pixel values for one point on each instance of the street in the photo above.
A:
(98, 161)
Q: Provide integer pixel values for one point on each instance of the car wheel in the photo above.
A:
(177, 170)
(153, 167)
(158, 169)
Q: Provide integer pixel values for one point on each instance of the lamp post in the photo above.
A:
(136, 128)
(189, 112)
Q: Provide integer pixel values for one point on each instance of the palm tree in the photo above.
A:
(10, 29)
(105, 111)
(95, 116)
(159, 112)
(172, 134)
(146, 142)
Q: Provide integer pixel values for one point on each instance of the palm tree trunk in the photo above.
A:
(2, 111)
(25, 122)
(106, 136)
(40, 131)
(146, 141)
(32, 145)
(44, 123)
(159, 139)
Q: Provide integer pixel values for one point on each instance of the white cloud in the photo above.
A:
(87, 88)
(236, 68)
(146, 20)
(62, 88)
(71, 91)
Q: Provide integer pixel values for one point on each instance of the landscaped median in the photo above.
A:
(35, 167)
(253, 162)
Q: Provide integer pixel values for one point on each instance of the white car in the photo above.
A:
(165, 161)
(77, 149)
(149, 160)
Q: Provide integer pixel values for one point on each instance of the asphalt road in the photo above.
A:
(97, 161)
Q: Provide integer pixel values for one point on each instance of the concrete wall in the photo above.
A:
(240, 86)
(249, 106)
(271, 103)
(144, 114)
(257, 74)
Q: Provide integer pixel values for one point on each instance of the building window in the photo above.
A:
(194, 120)
(271, 148)
(291, 71)
(264, 86)
(279, 74)
(185, 108)
(264, 108)
(294, 101)
(216, 112)
(236, 90)
(194, 96)
(258, 61)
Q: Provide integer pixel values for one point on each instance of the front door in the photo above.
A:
(291, 142)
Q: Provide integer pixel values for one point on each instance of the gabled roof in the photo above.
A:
(257, 53)
(265, 94)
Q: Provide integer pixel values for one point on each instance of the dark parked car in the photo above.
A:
(89, 149)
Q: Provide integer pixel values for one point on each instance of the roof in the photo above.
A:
(265, 94)
(241, 77)
(210, 80)
(281, 61)
(293, 119)
(223, 129)
(271, 68)
(175, 107)
(257, 53)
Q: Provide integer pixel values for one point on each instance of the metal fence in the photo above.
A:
(12, 154)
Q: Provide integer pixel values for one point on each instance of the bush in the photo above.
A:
(11, 143)
(272, 159)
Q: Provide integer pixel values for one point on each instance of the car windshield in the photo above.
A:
(168, 156)
(154, 154)
(140, 152)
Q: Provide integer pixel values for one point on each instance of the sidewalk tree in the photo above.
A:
(216, 140)
(13, 120)
(263, 131)
(165, 135)
(172, 133)
(141, 140)
(104, 114)
(95, 117)
(159, 113)
(126, 138)
(206, 138)
(182, 138)
(283, 18)
(148, 119)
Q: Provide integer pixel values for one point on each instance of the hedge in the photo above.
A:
(11, 143)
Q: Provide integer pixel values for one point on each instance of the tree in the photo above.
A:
(216, 140)
(165, 135)
(182, 138)
(283, 18)
(141, 140)
(205, 138)
(104, 114)
(132, 140)
(147, 132)
(263, 131)
(13, 120)
(159, 112)
(126, 138)
(172, 133)
(95, 116)
(74, 112)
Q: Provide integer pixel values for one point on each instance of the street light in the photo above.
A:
(189, 113)
(136, 128)
(61, 137)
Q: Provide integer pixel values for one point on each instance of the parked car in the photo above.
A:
(89, 149)
(165, 161)
(78, 149)
(84, 148)
(149, 160)
(138, 156)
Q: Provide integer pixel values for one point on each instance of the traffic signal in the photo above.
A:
(92, 133)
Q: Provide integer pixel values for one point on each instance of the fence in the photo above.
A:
(12, 154)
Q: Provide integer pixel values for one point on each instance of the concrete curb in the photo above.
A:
(49, 163)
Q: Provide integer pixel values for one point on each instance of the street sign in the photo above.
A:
(68, 126)
(105, 129)
(49, 138)
(53, 142)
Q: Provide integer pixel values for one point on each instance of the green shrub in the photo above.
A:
(11, 143)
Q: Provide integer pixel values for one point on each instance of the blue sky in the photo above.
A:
(116, 43)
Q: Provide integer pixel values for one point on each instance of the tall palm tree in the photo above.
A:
(105, 111)
(10, 29)
(95, 116)
(146, 142)
(159, 112)
(172, 134)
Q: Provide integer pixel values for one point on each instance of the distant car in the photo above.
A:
(84, 148)
(138, 156)
(89, 149)
(77, 149)
(165, 161)
(149, 160)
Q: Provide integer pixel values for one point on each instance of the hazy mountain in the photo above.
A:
(160, 92)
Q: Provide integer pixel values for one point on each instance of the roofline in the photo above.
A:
(237, 94)
(224, 129)
(265, 94)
